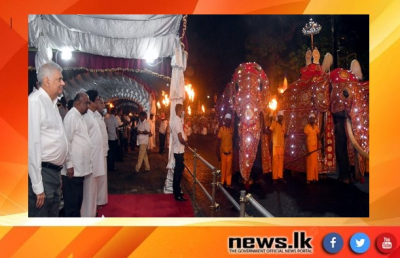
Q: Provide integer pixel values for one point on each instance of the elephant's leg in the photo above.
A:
(342, 156)
(256, 170)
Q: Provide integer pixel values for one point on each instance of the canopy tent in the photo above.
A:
(115, 36)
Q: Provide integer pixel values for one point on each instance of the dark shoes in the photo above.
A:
(180, 198)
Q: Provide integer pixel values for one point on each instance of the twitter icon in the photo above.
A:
(359, 243)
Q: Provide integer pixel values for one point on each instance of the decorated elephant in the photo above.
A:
(334, 97)
(246, 97)
(350, 108)
(309, 94)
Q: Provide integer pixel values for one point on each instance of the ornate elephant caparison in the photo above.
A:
(334, 97)
(247, 96)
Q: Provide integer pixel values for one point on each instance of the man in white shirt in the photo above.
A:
(178, 148)
(112, 131)
(152, 124)
(47, 144)
(78, 163)
(161, 133)
(143, 129)
(89, 203)
(102, 189)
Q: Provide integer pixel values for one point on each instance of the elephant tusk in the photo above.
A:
(353, 140)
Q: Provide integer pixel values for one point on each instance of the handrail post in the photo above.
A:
(214, 205)
(194, 175)
(242, 203)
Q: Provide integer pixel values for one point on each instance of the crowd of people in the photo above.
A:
(275, 129)
(73, 146)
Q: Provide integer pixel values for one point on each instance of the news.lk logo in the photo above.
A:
(386, 243)
(333, 243)
(300, 244)
(359, 243)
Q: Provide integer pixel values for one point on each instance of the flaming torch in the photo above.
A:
(190, 91)
(202, 108)
(165, 101)
(273, 104)
(283, 87)
(158, 105)
(189, 111)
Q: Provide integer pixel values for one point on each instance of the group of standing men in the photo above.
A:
(277, 130)
(72, 152)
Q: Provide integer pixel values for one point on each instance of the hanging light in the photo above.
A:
(150, 56)
(66, 54)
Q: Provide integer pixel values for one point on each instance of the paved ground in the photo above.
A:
(327, 198)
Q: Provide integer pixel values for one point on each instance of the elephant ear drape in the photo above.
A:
(120, 36)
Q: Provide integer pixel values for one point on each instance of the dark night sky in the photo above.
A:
(217, 43)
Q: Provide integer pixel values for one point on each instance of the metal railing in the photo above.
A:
(244, 199)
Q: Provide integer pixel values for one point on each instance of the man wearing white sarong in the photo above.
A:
(89, 204)
(78, 163)
(102, 191)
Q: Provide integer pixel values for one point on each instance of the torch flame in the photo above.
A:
(190, 92)
(273, 104)
(285, 83)
(189, 110)
(202, 108)
(283, 87)
(165, 101)
(111, 105)
(158, 104)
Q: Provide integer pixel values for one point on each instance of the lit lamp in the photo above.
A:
(66, 54)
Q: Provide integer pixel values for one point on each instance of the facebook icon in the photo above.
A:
(333, 243)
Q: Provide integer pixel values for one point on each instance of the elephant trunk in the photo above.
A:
(353, 140)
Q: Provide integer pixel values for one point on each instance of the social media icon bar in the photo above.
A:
(333, 243)
(386, 243)
(359, 243)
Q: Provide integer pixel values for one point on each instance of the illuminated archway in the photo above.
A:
(111, 86)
